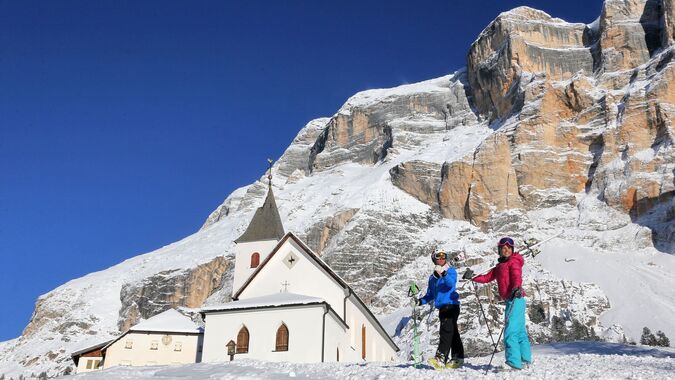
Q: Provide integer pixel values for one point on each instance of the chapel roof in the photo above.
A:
(272, 300)
(266, 222)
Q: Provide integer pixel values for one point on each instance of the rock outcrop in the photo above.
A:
(518, 41)
(321, 233)
(171, 289)
(581, 122)
(374, 121)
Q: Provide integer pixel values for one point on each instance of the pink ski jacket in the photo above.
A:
(509, 275)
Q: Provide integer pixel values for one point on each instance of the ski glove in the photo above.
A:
(439, 271)
(468, 275)
(517, 293)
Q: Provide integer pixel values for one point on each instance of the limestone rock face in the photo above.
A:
(590, 126)
(627, 28)
(374, 121)
(171, 289)
(320, 234)
(418, 178)
(296, 157)
(668, 36)
(522, 40)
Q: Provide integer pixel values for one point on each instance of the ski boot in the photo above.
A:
(438, 361)
(454, 363)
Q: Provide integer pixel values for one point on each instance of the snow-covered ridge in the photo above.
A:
(371, 97)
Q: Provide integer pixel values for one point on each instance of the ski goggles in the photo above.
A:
(505, 241)
(439, 255)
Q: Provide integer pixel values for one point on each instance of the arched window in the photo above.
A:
(282, 338)
(242, 341)
(363, 342)
(255, 260)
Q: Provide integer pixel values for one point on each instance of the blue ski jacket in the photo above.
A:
(442, 290)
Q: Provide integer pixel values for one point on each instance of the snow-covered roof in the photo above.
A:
(88, 348)
(168, 321)
(278, 299)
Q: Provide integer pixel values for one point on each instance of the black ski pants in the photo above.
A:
(449, 333)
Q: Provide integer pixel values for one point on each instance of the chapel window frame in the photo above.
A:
(243, 338)
(255, 260)
(282, 338)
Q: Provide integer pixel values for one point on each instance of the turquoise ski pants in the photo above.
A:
(516, 340)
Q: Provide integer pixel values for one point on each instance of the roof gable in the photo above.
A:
(312, 256)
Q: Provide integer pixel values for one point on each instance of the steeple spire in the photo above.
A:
(266, 222)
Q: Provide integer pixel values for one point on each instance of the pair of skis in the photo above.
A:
(413, 290)
(532, 247)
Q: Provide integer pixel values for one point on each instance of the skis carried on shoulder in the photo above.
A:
(531, 245)
(531, 250)
(413, 291)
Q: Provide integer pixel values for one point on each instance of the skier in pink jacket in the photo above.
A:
(508, 273)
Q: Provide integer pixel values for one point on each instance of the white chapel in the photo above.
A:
(289, 305)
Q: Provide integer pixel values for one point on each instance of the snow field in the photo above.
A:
(577, 360)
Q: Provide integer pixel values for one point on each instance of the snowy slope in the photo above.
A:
(579, 360)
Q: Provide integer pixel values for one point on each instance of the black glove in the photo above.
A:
(468, 275)
(517, 293)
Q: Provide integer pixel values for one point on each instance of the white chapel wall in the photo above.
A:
(336, 338)
(304, 277)
(304, 330)
(149, 349)
(377, 345)
(242, 265)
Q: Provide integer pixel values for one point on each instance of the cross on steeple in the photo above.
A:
(269, 175)
(285, 285)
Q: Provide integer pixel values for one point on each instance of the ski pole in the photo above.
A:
(506, 321)
(475, 289)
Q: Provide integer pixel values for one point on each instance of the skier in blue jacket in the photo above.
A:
(442, 290)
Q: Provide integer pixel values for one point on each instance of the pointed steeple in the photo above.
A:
(266, 222)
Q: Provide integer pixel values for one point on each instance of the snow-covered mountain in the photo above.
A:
(551, 127)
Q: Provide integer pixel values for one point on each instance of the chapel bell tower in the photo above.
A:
(261, 236)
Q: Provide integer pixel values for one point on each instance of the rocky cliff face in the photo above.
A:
(171, 289)
(552, 126)
(566, 123)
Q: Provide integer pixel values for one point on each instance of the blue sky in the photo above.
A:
(123, 124)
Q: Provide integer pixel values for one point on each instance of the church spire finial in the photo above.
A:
(269, 175)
